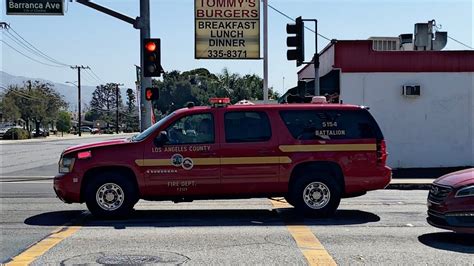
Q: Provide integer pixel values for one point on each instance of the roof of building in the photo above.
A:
(358, 56)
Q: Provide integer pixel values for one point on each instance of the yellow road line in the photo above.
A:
(307, 242)
(38, 249)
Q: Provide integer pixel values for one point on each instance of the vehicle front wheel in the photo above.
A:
(110, 195)
(318, 196)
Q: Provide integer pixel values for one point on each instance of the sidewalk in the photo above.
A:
(66, 137)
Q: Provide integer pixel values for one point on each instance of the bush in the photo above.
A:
(109, 131)
(17, 133)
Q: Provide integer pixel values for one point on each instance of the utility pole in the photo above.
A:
(79, 96)
(117, 106)
(265, 51)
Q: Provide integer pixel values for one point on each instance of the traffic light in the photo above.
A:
(152, 93)
(296, 41)
(152, 57)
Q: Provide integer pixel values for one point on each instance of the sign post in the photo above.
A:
(35, 7)
(227, 29)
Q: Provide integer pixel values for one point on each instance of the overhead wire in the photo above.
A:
(46, 64)
(17, 41)
(38, 50)
(90, 77)
(460, 43)
(292, 19)
(93, 73)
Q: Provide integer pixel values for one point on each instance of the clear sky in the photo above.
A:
(111, 47)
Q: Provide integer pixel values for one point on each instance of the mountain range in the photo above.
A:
(69, 91)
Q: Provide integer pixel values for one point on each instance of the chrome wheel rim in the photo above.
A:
(316, 195)
(110, 196)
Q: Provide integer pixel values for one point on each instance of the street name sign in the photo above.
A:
(227, 29)
(35, 7)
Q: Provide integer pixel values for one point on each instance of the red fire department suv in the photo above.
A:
(311, 154)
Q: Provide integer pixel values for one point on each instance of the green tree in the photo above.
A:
(103, 103)
(63, 124)
(131, 114)
(35, 101)
(199, 85)
(10, 111)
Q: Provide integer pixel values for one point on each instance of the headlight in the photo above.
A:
(465, 192)
(66, 164)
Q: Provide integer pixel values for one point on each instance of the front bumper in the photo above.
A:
(67, 187)
(459, 222)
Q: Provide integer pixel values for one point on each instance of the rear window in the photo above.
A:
(247, 127)
(331, 124)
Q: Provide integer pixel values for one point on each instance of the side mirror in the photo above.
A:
(161, 139)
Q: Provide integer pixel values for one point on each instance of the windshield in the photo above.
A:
(148, 131)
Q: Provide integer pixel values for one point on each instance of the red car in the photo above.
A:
(311, 154)
(451, 202)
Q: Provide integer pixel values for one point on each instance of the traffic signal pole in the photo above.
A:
(296, 42)
(143, 24)
(315, 58)
(145, 82)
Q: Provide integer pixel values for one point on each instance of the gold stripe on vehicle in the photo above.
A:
(328, 147)
(219, 161)
(255, 160)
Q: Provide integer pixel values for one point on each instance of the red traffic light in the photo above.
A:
(151, 57)
(152, 93)
(150, 46)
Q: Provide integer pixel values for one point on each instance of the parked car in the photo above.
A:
(41, 133)
(95, 130)
(86, 129)
(311, 154)
(451, 202)
(5, 128)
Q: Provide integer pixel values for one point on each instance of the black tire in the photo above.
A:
(290, 200)
(113, 184)
(326, 190)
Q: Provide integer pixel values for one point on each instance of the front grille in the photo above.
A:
(437, 218)
(438, 193)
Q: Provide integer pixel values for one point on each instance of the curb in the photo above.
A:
(71, 137)
(408, 186)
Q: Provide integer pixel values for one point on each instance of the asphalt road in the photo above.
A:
(382, 227)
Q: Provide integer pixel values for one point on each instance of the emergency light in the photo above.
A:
(219, 102)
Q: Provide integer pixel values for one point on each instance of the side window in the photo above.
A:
(330, 124)
(247, 127)
(192, 129)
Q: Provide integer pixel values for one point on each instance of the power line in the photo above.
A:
(460, 43)
(90, 78)
(28, 56)
(292, 19)
(17, 41)
(98, 78)
(38, 50)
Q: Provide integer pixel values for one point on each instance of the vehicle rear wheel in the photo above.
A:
(318, 196)
(110, 195)
(290, 200)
